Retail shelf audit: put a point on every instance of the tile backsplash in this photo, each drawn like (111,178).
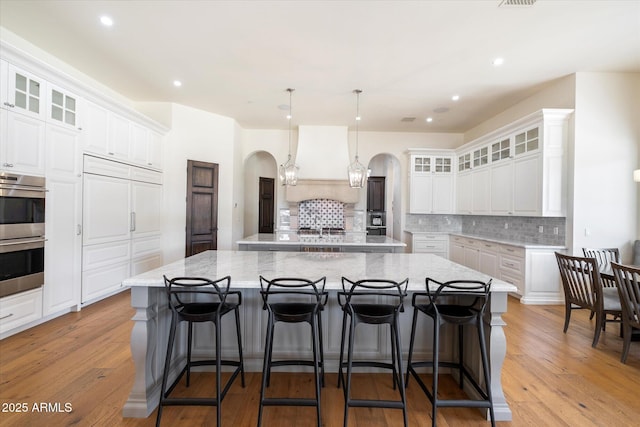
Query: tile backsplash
(321,212)
(534,230)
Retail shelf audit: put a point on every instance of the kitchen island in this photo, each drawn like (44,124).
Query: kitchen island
(293,241)
(152,317)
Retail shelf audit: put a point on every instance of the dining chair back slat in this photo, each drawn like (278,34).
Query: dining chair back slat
(628,281)
(604,257)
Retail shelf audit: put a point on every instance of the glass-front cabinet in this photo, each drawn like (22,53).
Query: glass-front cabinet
(518,170)
(25,93)
(431,182)
(63,107)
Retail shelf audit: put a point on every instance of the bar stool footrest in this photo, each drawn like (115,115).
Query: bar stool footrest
(289,401)
(365,403)
(294,363)
(223,393)
(368,364)
(466,403)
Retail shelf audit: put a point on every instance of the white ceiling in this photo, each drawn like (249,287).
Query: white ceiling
(236,58)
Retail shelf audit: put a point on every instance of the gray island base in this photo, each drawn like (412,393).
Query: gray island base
(152,316)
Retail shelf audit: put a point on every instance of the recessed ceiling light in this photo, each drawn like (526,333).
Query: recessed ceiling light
(106,21)
(429,119)
(177,83)
(498,62)
(455,97)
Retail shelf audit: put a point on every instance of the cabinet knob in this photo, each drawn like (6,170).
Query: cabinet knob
(79,128)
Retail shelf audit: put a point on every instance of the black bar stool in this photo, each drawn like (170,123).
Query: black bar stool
(197,300)
(355,300)
(293,300)
(459,302)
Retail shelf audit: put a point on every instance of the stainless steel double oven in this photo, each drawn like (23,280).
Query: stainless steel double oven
(22,207)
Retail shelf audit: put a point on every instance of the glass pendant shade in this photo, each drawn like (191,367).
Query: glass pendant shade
(289,172)
(357,174)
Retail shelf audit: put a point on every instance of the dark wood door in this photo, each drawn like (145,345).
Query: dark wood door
(375,193)
(266,205)
(202,207)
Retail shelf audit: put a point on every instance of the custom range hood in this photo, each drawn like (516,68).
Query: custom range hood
(323,158)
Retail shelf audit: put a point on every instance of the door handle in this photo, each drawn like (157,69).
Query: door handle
(79,230)
(133,222)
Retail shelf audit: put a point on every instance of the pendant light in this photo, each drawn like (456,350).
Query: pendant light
(289,170)
(357,172)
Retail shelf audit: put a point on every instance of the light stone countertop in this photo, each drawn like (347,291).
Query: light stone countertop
(245,267)
(347,239)
(493,240)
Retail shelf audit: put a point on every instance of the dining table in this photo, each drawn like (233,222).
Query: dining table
(151,318)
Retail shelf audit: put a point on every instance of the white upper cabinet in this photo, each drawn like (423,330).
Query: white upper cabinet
(95,128)
(119,136)
(116,137)
(154,158)
(431,182)
(62,108)
(502,188)
(63,152)
(519,169)
(22,129)
(22,143)
(25,93)
(139,137)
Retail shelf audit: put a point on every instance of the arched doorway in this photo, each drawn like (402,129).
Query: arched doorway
(388,166)
(260,169)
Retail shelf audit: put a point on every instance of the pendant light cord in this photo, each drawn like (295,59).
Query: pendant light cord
(290,90)
(357,92)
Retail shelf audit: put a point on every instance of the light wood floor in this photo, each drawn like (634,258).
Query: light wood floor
(549,378)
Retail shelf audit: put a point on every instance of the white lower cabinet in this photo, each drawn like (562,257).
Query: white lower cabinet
(488,259)
(103,281)
(122,225)
(20,309)
(430,243)
(63,245)
(532,270)
(63,221)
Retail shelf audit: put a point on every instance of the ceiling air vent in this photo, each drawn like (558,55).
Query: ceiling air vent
(514,3)
(407,119)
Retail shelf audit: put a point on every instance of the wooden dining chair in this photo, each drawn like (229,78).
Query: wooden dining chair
(628,281)
(583,289)
(604,257)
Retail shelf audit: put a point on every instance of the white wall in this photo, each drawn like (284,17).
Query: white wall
(198,135)
(607,138)
(557,94)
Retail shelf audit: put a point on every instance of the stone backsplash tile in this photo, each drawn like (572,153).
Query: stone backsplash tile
(518,229)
